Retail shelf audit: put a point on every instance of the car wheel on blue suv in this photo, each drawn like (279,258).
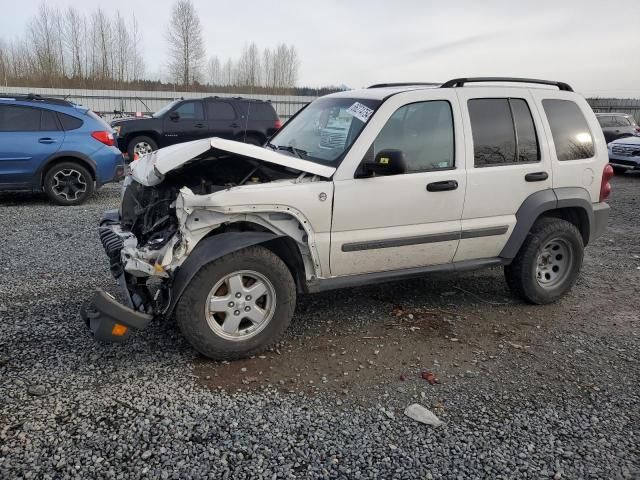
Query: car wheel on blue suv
(68,183)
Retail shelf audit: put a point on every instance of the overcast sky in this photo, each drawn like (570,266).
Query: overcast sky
(589,44)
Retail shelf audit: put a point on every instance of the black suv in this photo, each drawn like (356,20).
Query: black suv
(242,119)
(617,125)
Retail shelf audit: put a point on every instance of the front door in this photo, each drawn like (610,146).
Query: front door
(408,220)
(185,122)
(28,136)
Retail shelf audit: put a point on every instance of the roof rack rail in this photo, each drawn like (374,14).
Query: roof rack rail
(404,84)
(34,97)
(459,82)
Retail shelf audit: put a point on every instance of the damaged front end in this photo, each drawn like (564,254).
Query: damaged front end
(153,232)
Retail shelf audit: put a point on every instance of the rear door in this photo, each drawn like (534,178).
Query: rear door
(28,136)
(223,119)
(507,163)
(609,125)
(185,122)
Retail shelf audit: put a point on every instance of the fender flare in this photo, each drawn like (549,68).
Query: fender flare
(72,155)
(208,250)
(543,201)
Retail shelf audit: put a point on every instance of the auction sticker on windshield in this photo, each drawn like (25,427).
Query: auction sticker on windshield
(360,111)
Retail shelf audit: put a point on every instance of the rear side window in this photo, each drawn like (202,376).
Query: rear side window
(261,111)
(220,111)
(503,132)
(48,121)
(68,122)
(607,122)
(190,111)
(571,134)
(14,118)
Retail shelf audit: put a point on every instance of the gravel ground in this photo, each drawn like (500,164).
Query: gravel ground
(524,392)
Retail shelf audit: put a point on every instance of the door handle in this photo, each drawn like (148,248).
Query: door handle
(47,140)
(235,125)
(442,186)
(536,176)
(199,125)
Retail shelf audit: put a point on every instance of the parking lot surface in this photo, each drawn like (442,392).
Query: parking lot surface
(523,391)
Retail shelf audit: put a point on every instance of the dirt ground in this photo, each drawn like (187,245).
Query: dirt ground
(383,340)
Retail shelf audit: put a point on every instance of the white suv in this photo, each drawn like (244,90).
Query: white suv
(365,186)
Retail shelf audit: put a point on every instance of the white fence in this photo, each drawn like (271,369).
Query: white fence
(106,102)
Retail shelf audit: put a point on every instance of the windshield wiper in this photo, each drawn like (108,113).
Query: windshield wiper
(298,152)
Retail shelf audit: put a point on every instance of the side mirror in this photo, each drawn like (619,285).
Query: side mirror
(386,162)
(175,116)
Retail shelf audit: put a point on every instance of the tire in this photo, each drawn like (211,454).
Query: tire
(207,329)
(253,139)
(552,243)
(68,183)
(141,142)
(619,170)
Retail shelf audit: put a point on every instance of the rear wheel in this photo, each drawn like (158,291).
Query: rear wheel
(548,263)
(140,146)
(68,183)
(237,305)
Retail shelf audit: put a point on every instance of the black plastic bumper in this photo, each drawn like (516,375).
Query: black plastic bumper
(104,312)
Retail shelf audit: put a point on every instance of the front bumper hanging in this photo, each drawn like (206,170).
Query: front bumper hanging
(109,320)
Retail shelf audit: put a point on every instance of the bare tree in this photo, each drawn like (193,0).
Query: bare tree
(74,37)
(137,59)
(186,45)
(102,45)
(45,42)
(121,49)
(249,66)
(214,70)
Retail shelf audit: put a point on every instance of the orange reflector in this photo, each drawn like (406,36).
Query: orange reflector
(119,330)
(158,268)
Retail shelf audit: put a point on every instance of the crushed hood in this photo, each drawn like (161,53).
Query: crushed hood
(150,169)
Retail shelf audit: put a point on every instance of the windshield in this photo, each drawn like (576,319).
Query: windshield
(324,131)
(165,109)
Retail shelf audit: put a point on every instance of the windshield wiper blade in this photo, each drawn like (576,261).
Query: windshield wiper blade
(298,152)
(272,146)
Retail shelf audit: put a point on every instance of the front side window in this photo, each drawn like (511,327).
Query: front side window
(623,121)
(503,132)
(19,119)
(423,131)
(190,111)
(571,134)
(325,130)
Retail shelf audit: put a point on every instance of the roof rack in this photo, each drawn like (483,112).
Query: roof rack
(33,97)
(459,82)
(404,84)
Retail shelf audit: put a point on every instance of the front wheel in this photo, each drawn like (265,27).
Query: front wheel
(237,305)
(140,146)
(548,263)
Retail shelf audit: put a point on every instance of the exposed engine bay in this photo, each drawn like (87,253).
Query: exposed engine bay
(149,211)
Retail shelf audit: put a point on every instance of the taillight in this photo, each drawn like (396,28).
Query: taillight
(278,124)
(605,186)
(104,137)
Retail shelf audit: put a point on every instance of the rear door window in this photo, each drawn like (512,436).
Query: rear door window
(503,132)
(571,134)
(48,121)
(607,122)
(623,121)
(14,118)
(220,111)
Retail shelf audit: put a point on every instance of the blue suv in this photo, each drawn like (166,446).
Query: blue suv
(52,145)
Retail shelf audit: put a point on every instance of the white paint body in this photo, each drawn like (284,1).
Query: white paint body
(332,208)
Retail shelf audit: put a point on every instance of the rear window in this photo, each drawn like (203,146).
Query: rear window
(220,111)
(571,134)
(68,122)
(14,118)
